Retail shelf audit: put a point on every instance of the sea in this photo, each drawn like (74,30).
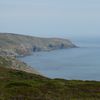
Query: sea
(82,63)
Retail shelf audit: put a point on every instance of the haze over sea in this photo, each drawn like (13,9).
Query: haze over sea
(81,63)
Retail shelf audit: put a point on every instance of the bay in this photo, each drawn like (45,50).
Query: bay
(81,63)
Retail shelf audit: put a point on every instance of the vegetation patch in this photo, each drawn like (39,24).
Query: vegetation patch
(19,85)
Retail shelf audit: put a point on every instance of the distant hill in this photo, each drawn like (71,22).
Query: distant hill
(14,44)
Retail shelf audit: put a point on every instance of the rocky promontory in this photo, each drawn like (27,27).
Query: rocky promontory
(21,45)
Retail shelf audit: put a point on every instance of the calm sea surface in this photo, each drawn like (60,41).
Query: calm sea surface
(77,63)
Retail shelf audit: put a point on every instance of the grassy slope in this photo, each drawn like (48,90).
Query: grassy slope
(18,85)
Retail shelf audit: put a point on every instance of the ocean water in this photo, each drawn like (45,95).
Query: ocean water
(81,63)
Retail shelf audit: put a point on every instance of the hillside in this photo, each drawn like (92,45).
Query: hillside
(14,44)
(13,63)
(19,85)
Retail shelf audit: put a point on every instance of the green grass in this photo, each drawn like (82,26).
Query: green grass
(18,85)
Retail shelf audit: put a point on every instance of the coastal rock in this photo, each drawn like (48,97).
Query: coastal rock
(13,63)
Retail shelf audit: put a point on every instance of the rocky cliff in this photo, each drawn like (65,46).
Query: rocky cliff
(15,45)
(13,63)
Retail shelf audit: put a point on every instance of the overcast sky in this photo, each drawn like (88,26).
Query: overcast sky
(56,18)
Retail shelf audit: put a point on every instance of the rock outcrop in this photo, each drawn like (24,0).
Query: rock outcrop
(21,45)
(13,63)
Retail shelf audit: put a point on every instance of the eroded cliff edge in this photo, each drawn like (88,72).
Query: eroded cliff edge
(13,63)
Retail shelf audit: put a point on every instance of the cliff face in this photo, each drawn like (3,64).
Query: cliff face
(13,63)
(14,44)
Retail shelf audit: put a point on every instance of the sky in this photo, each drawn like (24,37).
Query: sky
(51,18)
